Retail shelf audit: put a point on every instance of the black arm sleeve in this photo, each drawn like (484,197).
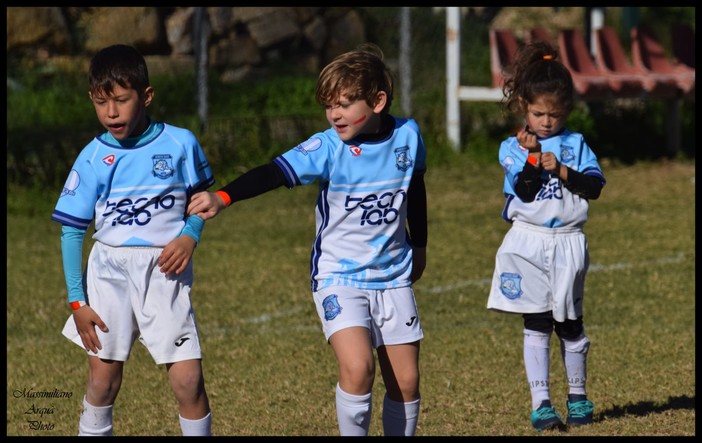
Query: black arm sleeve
(586,186)
(528,183)
(258,180)
(417,211)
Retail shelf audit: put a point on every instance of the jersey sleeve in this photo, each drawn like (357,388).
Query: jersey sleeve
(588,164)
(512,161)
(198,168)
(76,203)
(306,162)
(421,161)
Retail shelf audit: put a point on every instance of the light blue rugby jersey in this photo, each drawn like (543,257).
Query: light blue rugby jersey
(138,194)
(361,209)
(554,205)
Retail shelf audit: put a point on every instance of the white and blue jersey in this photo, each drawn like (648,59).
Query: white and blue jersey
(361,209)
(138,194)
(554,206)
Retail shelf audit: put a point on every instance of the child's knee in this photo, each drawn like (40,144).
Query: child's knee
(570,329)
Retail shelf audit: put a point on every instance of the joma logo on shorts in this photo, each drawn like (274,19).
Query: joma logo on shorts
(181,340)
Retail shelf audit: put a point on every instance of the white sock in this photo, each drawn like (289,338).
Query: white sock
(400,419)
(536,363)
(574,354)
(353,413)
(95,421)
(198,427)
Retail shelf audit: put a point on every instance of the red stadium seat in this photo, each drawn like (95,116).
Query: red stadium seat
(503,48)
(648,53)
(623,76)
(588,80)
(539,34)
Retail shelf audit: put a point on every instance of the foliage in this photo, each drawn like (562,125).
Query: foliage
(50,118)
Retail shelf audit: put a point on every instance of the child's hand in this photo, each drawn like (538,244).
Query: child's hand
(550,163)
(527,139)
(176,255)
(86,319)
(205,205)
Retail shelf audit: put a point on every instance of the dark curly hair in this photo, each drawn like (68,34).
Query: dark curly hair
(536,71)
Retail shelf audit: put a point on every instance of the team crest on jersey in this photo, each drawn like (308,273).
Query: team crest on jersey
(510,285)
(331,307)
(355,150)
(109,160)
(163,166)
(308,146)
(567,155)
(72,182)
(403,160)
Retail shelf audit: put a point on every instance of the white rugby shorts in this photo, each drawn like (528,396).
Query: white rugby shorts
(390,315)
(127,289)
(540,269)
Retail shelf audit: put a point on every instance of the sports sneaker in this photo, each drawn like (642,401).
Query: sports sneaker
(579,412)
(545,417)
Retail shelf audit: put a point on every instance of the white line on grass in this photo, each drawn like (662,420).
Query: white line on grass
(268,317)
(484,282)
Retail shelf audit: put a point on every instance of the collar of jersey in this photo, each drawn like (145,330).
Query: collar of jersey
(151,133)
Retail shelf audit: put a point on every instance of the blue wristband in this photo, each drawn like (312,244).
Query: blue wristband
(193,228)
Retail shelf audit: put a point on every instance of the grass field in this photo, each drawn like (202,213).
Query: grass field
(270,373)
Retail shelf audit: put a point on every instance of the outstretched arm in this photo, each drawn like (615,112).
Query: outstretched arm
(252,183)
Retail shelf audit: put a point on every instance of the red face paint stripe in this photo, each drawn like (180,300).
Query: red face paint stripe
(359,120)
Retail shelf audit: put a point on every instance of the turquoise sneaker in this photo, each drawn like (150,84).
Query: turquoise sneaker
(546,417)
(579,412)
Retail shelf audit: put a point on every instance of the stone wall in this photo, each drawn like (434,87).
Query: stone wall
(240,40)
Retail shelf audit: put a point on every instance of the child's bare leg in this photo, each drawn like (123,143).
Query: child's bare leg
(188,384)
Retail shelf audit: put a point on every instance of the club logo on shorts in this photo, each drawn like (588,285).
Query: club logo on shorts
(331,307)
(403,160)
(510,285)
(163,166)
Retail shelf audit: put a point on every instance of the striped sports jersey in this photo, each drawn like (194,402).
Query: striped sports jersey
(361,208)
(554,205)
(137,195)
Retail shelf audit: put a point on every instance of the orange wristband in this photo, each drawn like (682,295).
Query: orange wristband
(225,197)
(532,160)
(75,305)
